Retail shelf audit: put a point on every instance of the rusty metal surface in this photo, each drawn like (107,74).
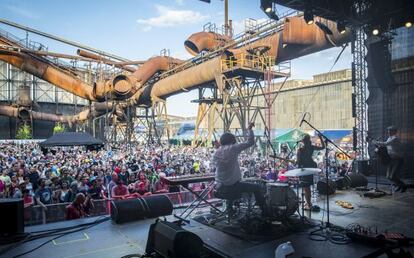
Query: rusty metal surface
(205,41)
(49,73)
(97,109)
(96,57)
(295,39)
(300,39)
(182,81)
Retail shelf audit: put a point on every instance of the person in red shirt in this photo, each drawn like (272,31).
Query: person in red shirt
(120,191)
(142,186)
(77,209)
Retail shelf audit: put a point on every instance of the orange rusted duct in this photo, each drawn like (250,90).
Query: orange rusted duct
(300,39)
(49,73)
(97,109)
(137,80)
(187,79)
(205,41)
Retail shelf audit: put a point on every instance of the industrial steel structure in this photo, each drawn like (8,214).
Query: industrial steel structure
(125,92)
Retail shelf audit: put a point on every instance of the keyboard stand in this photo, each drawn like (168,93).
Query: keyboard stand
(200,197)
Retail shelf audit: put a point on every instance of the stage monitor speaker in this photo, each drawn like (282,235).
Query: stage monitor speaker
(167,239)
(363,167)
(128,210)
(357,180)
(11,217)
(158,205)
(323,189)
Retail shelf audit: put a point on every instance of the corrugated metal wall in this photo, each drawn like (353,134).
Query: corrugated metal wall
(11,78)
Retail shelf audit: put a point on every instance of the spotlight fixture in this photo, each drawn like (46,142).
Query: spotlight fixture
(340,26)
(408,24)
(266,6)
(375,32)
(308,16)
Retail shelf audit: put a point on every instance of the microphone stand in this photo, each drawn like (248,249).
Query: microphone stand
(326,141)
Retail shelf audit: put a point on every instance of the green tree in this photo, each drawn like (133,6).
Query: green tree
(59,128)
(24,132)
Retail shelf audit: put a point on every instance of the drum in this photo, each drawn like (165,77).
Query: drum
(281,200)
(258,181)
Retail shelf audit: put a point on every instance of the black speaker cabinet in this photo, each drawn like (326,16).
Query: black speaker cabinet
(167,239)
(11,216)
(152,206)
(326,189)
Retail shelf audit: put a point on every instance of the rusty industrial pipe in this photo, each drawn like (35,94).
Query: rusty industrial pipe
(296,39)
(96,57)
(97,109)
(45,71)
(137,80)
(205,41)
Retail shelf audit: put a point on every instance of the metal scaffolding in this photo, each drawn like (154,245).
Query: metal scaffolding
(359,83)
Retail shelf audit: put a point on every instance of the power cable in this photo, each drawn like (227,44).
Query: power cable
(59,232)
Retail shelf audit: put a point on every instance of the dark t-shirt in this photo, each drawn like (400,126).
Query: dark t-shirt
(33,178)
(95,192)
(124,177)
(45,195)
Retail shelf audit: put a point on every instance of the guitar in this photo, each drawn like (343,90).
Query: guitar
(381,151)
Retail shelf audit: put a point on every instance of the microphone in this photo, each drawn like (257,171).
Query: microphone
(303,119)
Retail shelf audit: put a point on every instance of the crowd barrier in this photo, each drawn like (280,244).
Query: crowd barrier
(35,215)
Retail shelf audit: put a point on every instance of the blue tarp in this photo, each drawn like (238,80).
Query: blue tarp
(336,134)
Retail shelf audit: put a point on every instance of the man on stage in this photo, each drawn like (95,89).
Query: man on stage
(393,145)
(228,174)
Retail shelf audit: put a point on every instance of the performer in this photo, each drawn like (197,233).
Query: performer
(228,174)
(304,160)
(393,145)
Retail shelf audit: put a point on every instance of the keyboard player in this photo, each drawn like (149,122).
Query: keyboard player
(228,175)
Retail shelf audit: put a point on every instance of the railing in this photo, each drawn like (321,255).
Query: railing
(243,60)
(35,215)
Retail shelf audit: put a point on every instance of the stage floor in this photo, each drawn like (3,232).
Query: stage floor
(395,213)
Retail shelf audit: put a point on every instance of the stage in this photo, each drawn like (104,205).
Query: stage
(391,212)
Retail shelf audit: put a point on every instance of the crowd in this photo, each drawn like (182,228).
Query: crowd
(77,175)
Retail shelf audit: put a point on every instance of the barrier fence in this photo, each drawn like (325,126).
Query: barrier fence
(35,215)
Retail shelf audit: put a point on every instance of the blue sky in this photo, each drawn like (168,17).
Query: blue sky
(139,29)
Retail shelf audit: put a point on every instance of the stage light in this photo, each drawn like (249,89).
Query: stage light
(266,6)
(408,24)
(375,32)
(308,16)
(340,26)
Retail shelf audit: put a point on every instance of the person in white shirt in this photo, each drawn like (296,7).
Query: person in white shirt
(228,174)
(393,145)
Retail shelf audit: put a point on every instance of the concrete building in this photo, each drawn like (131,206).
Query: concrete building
(327,98)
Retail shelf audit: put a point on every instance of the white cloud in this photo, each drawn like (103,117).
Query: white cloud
(168,17)
(239,26)
(183,55)
(179,2)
